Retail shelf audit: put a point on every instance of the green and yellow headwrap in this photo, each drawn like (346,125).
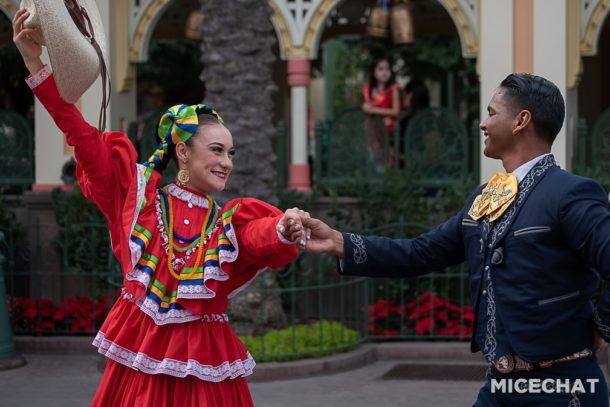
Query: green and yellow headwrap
(178,123)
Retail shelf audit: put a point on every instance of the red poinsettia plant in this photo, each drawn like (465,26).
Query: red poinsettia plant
(426,315)
(72,314)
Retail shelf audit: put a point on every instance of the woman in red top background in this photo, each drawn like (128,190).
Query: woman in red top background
(382,97)
(183,257)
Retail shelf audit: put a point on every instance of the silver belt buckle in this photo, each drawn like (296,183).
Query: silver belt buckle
(505,364)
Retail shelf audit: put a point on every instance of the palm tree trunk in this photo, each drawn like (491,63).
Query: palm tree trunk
(237,54)
(238,57)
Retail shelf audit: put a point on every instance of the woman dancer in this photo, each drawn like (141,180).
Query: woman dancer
(167,337)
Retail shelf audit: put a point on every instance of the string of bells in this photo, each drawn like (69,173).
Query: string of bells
(394,14)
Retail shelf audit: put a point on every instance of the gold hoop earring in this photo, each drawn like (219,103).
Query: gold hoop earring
(183,177)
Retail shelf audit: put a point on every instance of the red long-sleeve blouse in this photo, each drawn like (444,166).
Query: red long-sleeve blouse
(161,324)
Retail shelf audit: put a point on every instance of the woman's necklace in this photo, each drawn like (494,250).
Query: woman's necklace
(170,234)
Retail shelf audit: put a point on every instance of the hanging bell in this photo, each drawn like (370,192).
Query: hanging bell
(401,20)
(379,19)
(194,22)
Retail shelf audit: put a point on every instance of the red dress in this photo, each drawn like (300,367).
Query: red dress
(383,99)
(168,340)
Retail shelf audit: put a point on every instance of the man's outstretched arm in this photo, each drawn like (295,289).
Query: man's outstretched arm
(377,256)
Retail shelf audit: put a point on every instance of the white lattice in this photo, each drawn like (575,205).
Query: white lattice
(470,10)
(586,10)
(143,16)
(8,7)
(297,14)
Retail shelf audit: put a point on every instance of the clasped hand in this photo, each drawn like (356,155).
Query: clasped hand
(310,234)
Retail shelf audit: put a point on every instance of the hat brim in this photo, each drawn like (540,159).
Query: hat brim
(73,58)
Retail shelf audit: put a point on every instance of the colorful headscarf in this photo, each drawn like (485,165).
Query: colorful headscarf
(178,123)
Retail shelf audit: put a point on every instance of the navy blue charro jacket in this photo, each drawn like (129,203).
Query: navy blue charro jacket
(544,259)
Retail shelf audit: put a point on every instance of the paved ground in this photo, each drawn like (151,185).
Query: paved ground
(364,387)
(54,380)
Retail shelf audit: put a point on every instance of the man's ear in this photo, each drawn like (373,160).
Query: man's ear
(521,121)
(182,152)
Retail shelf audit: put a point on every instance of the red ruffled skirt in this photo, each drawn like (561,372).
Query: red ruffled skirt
(123,386)
(194,363)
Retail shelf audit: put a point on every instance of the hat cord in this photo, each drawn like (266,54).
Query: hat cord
(82,21)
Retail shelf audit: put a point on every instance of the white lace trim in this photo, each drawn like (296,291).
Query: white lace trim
(139,276)
(228,256)
(173,316)
(134,248)
(195,292)
(187,196)
(215,273)
(39,77)
(172,367)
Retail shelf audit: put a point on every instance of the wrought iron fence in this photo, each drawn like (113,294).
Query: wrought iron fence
(436,146)
(16,154)
(57,284)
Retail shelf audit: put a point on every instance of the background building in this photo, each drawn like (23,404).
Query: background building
(563,40)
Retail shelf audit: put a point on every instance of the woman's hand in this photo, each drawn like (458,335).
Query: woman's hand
(321,238)
(367,108)
(291,225)
(30,50)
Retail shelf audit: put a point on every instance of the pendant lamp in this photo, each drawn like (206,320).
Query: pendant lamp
(379,19)
(401,21)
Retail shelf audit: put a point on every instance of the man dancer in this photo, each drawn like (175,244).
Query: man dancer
(536,241)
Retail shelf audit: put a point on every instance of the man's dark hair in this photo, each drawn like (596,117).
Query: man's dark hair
(541,97)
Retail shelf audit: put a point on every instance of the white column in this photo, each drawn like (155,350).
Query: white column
(49,147)
(496,62)
(298,79)
(298,117)
(550,62)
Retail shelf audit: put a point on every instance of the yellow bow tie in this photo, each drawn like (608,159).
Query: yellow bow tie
(495,198)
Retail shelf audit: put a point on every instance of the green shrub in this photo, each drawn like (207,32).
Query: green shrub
(302,341)
(83,236)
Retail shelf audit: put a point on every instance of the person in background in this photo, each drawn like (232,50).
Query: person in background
(414,98)
(382,97)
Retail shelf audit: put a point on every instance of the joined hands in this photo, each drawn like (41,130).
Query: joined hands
(310,234)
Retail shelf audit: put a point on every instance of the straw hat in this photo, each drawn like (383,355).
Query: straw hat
(74,60)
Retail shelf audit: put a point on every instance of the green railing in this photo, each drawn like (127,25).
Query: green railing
(7,347)
(57,281)
(63,285)
(594,145)
(593,156)
(438,150)
(354,145)
(17,152)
